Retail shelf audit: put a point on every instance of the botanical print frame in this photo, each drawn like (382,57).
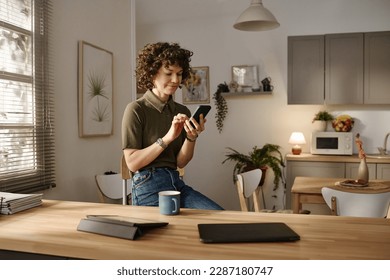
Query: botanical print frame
(196,89)
(245,75)
(95,90)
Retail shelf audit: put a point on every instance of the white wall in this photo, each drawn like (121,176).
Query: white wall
(205,27)
(105,24)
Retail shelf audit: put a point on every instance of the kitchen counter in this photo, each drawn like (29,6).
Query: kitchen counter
(333,158)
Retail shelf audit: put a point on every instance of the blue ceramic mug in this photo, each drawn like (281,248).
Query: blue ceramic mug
(169,202)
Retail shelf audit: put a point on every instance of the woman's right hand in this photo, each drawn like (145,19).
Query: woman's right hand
(176,127)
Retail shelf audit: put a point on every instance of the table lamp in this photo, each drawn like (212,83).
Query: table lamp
(297,138)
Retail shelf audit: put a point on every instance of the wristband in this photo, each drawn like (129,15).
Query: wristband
(161,143)
(191,140)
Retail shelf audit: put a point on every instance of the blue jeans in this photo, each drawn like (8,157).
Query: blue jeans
(148,183)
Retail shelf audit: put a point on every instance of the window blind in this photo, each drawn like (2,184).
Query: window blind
(26,97)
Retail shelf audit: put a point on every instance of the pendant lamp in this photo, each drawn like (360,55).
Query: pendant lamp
(256,18)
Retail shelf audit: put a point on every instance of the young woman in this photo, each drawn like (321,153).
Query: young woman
(158,135)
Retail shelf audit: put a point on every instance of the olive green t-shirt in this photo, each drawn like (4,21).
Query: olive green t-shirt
(147,119)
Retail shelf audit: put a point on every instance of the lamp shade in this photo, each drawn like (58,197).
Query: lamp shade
(297,138)
(256,18)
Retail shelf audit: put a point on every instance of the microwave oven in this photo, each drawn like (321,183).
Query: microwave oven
(331,143)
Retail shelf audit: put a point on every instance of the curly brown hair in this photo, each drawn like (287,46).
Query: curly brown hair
(153,56)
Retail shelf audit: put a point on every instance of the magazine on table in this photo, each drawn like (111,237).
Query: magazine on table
(15,202)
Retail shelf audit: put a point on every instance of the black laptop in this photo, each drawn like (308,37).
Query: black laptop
(246,232)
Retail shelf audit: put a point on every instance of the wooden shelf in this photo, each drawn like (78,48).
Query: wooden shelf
(227,94)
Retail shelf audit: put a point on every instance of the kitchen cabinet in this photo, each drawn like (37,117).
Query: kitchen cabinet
(344,68)
(311,169)
(348,68)
(306,69)
(351,170)
(377,68)
(383,171)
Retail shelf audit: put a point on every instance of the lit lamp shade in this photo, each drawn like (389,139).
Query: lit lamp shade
(256,18)
(297,139)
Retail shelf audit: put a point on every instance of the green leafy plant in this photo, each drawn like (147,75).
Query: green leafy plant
(221,105)
(323,116)
(100,114)
(269,156)
(96,87)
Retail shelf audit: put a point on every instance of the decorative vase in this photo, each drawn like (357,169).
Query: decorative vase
(363,170)
(320,125)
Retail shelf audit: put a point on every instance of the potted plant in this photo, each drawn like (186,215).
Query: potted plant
(221,105)
(269,156)
(321,120)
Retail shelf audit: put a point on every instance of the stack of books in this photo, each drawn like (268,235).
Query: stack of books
(15,202)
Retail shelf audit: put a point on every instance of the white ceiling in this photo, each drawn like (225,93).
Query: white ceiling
(164,10)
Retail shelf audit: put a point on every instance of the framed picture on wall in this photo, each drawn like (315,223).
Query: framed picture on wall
(95,90)
(245,75)
(196,90)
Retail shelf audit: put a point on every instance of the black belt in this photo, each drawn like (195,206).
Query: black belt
(153,169)
(146,169)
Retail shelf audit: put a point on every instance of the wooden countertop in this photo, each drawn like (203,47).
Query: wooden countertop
(51,229)
(333,158)
(313,185)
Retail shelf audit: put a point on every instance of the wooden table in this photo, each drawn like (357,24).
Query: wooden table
(51,229)
(308,190)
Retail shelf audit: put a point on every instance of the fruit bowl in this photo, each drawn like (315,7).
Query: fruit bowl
(343,123)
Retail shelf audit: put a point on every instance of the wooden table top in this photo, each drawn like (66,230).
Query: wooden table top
(51,229)
(313,185)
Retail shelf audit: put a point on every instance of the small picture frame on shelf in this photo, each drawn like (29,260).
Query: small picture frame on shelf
(245,75)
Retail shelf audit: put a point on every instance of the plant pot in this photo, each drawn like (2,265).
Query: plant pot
(320,125)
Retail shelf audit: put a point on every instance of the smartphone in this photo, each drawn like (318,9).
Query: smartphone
(202,109)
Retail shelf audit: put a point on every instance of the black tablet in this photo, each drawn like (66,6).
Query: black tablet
(246,232)
(127,221)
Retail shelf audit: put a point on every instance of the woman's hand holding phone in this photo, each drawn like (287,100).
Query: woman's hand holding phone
(202,109)
(195,126)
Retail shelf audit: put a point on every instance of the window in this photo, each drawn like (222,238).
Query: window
(26,98)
